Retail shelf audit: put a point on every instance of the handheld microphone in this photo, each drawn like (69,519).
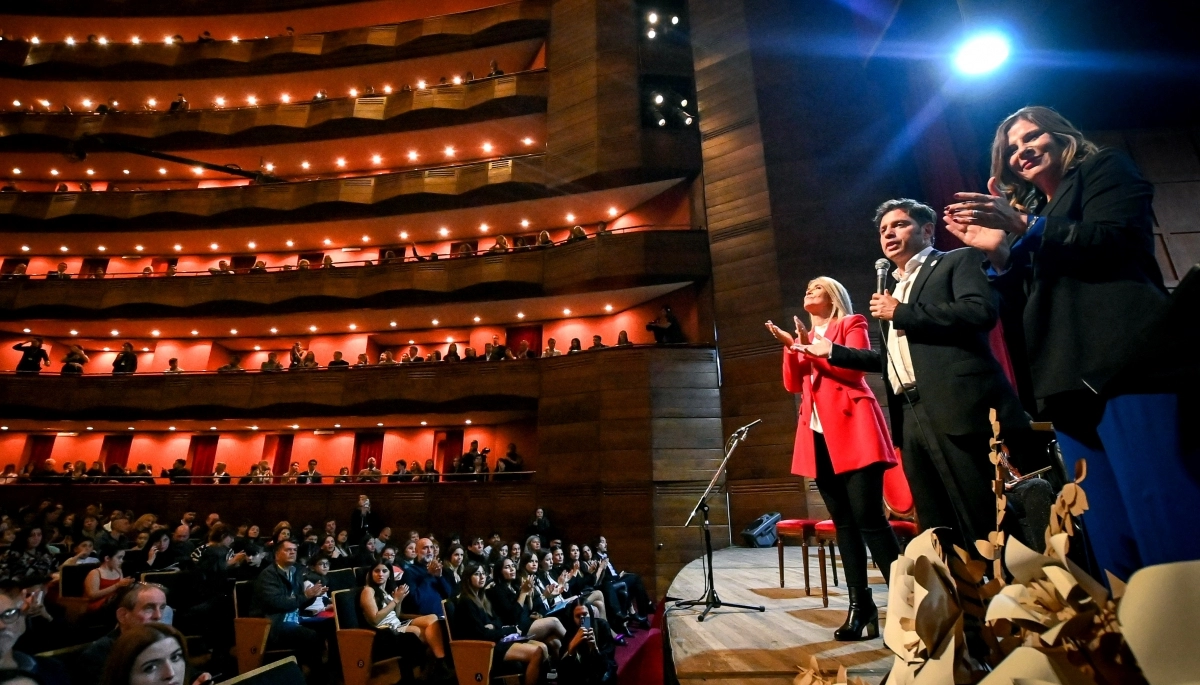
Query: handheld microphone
(881,270)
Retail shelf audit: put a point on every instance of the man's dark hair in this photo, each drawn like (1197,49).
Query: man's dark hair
(920,213)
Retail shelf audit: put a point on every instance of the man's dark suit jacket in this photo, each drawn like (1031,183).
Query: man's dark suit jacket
(305,477)
(951,309)
(1093,285)
(275,597)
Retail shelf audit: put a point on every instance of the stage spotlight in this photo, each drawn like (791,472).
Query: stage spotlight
(981,54)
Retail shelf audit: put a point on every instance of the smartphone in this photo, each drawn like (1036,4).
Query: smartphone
(585,622)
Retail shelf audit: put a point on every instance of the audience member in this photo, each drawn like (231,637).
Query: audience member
(576,234)
(272,363)
(338,362)
(149,654)
(138,605)
(60,273)
(401,474)
(370,473)
(125,361)
(550,350)
(14,607)
(173,366)
(597,343)
(279,595)
(666,328)
(380,600)
(474,619)
(28,557)
(576,346)
(311,476)
(364,523)
(623,339)
(363,361)
(220,476)
(33,357)
(234,365)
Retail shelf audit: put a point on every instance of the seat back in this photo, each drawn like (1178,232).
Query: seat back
(472,658)
(243,591)
(284,672)
(340,580)
(897,497)
(345,609)
(360,575)
(250,642)
(72,579)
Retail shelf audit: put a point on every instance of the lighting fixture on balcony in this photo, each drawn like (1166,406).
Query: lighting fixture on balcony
(457,80)
(233,331)
(27,330)
(87,102)
(304,165)
(101,248)
(377,159)
(449,150)
(274,330)
(435,322)
(74,332)
(54,172)
(608,307)
(24,248)
(220,102)
(353,92)
(520,315)
(252,244)
(421,84)
(269,166)
(115,332)
(313,329)
(178,247)
(195,332)
(341,162)
(392,324)
(477,319)
(412,155)
(168,40)
(70,40)
(35,40)
(387,90)
(570,218)
(354,327)
(251,100)
(91,172)
(527,140)
(125,171)
(135,40)
(487,147)
(443,231)
(290,243)
(197,170)
(483,227)
(524,223)
(233,40)
(285,98)
(404,235)
(328,241)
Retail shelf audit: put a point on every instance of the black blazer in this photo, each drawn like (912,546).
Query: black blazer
(275,597)
(949,313)
(1093,285)
(305,478)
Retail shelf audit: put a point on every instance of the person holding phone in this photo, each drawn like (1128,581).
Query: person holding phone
(591,655)
(512,599)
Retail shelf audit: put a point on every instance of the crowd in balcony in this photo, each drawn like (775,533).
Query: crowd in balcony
(472,466)
(77,578)
(398,254)
(665,328)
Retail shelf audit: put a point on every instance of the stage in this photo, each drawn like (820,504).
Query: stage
(738,646)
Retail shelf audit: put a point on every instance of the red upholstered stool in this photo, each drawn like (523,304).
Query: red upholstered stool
(795,528)
(826,534)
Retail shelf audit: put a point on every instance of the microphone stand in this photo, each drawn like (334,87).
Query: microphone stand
(711,600)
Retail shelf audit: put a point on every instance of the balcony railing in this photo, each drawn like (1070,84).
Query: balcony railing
(631,257)
(511,94)
(405,388)
(432,35)
(374,191)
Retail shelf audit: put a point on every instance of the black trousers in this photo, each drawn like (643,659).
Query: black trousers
(308,644)
(855,503)
(950,477)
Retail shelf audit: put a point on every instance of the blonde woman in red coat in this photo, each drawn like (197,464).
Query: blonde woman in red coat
(842,441)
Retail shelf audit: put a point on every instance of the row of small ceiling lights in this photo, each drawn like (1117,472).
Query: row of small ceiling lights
(449,151)
(652,19)
(253,245)
(294,426)
(313,329)
(253,100)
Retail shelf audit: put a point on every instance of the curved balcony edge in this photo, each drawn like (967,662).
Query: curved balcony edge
(608,261)
(500,96)
(407,388)
(347,47)
(440,187)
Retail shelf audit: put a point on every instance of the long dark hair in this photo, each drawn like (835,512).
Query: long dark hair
(470,566)
(389,585)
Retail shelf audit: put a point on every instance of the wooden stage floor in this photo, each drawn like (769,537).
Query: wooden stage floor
(740,646)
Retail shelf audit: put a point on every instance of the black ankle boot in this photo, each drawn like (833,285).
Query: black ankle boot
(863,614)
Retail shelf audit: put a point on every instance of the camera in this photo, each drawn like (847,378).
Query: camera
(486,450)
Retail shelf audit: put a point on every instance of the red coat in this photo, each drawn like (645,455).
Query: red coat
(855,431)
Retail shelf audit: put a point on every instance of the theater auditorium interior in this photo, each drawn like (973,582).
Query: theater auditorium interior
(378,341)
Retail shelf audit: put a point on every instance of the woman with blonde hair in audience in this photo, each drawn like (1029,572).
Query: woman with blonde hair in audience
(500,246)
(577,234)
(417,473)
(543,239)
(149,654)
(387,359)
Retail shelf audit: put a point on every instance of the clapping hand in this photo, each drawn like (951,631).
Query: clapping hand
(819,348)
(314,590)
(435,568)
(780,334)
(987,211)
(400,593)
(801,331)
(527,584)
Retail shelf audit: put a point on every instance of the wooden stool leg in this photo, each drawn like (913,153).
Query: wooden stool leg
(779,544)
(833,560)
(804,547)
(824,583)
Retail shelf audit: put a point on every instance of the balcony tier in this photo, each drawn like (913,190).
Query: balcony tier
(157,60)
(443,387)
(620,260)
(509,95)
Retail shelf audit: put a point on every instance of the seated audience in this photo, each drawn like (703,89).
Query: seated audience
(623,339)
(272,363)
(138,605)
(524,352)
(327,262)
(576,346)
(370,473)
(221,269)
(386,359)
(469,355)
(363,361)
(292,476)
(550,350)
(401,474)
(60,273)
(380,600)
(431,472)
(147,654)
(179,473)
(312,475)
(279,595)
(14,608)
(666,328)
(510,461)
(451,353)
(220,476)
(544,240)
(597,343)
(577,234)
(74,360)
(309,362)
(234,365)
(173,366)
(260,267)
(500,247)
(338,362)
(474,619)
(28,557)
(117,534)
(343,475)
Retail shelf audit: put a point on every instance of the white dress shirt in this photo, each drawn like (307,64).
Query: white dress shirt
(815,422)
(900,368)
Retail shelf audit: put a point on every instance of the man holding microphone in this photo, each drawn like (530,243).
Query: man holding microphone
(940,374)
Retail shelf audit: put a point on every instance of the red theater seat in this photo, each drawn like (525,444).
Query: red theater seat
(795,528)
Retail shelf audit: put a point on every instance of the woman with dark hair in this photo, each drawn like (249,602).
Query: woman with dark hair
(410,554)
(452,569)
(149,654)
(103,582)
(666,328)
(576,346)
(1068,230)
(28,557)
(380,601)
(512,600)
(843,441)
(474,619)
(431,472)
